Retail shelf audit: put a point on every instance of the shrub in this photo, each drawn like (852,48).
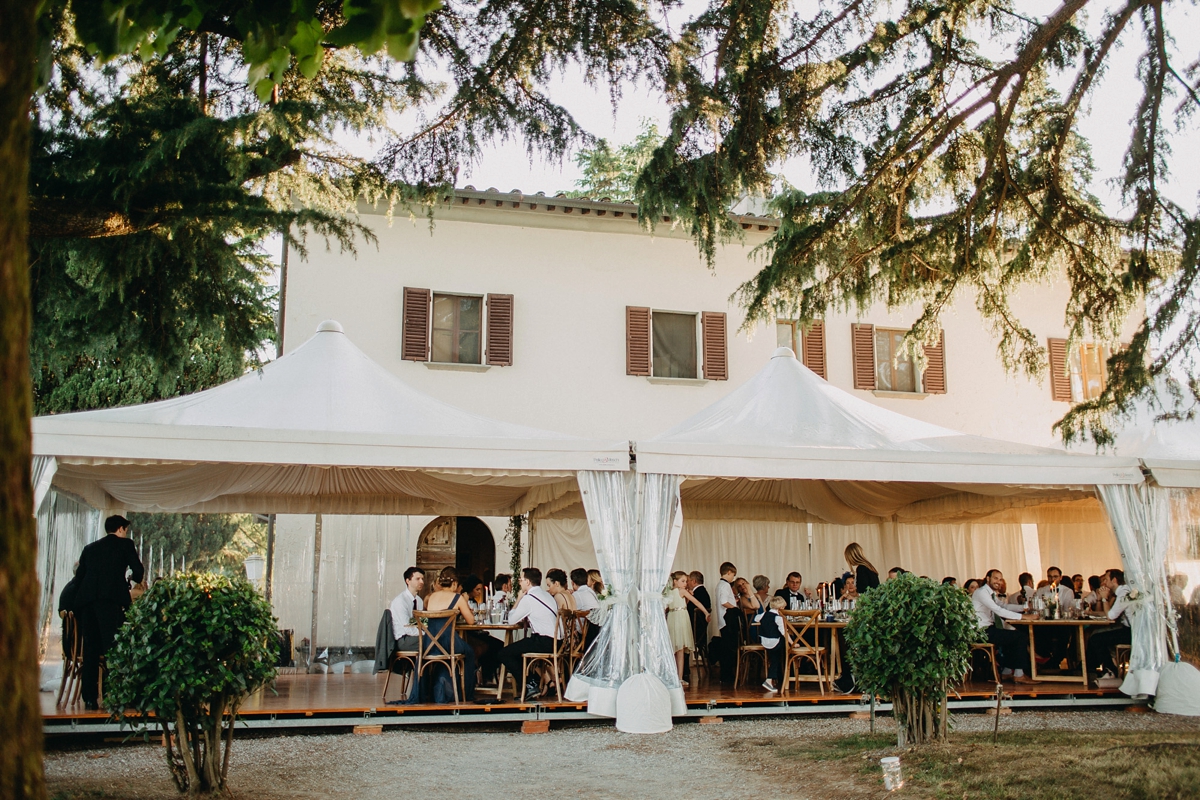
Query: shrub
(907,640)
(191,650)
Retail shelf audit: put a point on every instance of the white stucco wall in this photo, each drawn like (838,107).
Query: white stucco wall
(572,278)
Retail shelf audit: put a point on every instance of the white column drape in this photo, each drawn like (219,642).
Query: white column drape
(629,673)
(44,468)
(1139,517)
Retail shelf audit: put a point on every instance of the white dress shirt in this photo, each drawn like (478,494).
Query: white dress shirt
(402,611)
(1119,605)
(987,608)
(724,597)
(585,599)
(540,608)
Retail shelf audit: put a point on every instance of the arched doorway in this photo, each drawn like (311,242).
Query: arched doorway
(464,543)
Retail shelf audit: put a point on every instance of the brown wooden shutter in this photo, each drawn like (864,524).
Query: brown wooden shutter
(1060,377)
(862,340)
(933,381)
(813,347)
(414,336)
(499,352)
(716,354)
(637,341)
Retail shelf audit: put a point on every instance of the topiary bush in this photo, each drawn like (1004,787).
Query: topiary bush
(906,641)
(191,650)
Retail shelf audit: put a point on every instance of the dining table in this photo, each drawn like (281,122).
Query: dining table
(508,631)
(1080,625)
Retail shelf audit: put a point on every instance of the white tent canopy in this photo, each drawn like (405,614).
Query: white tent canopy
(787,442)
(1170,449)
(322,429)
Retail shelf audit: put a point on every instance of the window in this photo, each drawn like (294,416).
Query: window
(808,345)
(1089,371)
(674,345)
(457,329)
(894,368)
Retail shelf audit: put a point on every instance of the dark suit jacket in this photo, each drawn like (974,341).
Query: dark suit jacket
(66,598)
(701,594)
(786,594)
(101,574)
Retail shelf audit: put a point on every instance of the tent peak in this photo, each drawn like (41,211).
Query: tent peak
(330,326)
(784,352)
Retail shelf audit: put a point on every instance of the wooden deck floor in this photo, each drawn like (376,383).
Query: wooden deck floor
(358,694)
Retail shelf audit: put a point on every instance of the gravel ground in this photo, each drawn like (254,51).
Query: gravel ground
(589,760)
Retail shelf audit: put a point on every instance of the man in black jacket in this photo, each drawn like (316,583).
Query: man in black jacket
(102,597)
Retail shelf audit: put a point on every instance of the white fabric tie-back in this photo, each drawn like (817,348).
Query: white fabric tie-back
(1139,518)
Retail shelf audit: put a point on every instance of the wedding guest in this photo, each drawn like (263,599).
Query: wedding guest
(446,596)
(1054,576)
(556,585)
(793,591)
(1077,585)
(678,624)
(866,577)
(1115,595)
(1010,644)
(762,591)
(849,590)
(895,572)
(728,623)
(971,585)
(102,598)
(586,600)
(501,587)
(402,608)
(771,635)
(950,581)
(595,581)
(541,610)
(1091,599)
(1025,592)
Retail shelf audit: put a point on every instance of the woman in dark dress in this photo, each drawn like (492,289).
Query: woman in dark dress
(866,577)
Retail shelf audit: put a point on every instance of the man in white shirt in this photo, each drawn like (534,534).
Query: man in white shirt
(1066,595)
(1026,591)
(585,600)
(1056,642)
(1102,643)
(728,622)
(538,607)
(991,612)
(402,610)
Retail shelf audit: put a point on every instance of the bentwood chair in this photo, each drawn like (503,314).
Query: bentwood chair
(438,648)
(556,660)
(747,651)
(988,650)
(408,677)
(1122,659)
(800,636)
(72,661)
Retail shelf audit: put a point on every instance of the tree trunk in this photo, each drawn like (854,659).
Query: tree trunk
(21,774)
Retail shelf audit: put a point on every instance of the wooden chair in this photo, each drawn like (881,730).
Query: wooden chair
(1122,659)
(800,635)
(413,657)
(433,651)
(556,659)
(72,661)
(747,651)
(989,650)
(578,640)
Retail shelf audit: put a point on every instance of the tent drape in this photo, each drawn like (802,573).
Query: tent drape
(632,520)
(659,509)
(609,499)
(1139,519)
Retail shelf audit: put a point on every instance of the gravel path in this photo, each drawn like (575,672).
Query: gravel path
(592,760)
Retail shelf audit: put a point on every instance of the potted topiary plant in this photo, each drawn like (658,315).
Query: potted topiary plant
(906,641)
(191,650)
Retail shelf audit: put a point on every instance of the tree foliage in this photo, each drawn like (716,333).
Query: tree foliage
(191,650)
(951,163)
(611,174)
(205,542)
(907,641)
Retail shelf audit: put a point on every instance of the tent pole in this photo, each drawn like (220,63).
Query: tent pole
(312,638)
(270,556)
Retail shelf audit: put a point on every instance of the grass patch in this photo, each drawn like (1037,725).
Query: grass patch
(1027,765)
